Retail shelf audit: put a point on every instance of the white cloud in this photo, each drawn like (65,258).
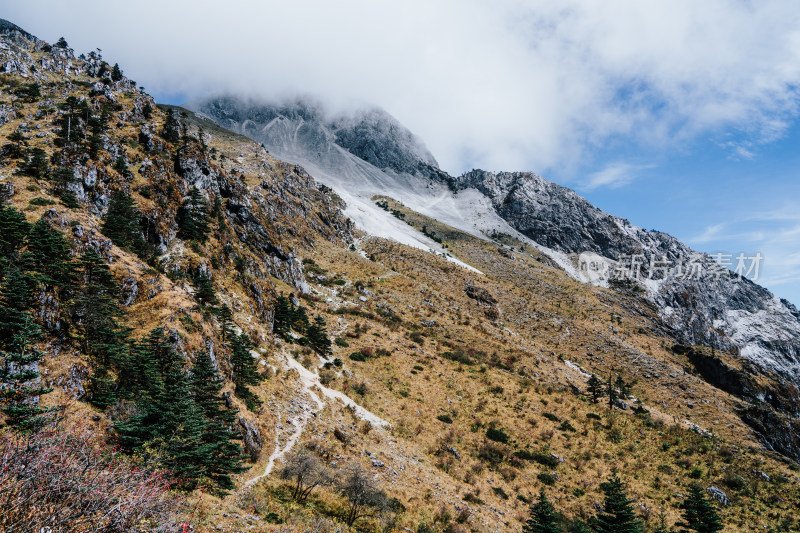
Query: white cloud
(501,85)
(613,176)
(709,234)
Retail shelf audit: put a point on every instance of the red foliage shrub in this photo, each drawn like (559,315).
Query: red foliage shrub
(62,480)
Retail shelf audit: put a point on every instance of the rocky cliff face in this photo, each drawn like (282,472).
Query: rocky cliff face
(370,134)
(698,300)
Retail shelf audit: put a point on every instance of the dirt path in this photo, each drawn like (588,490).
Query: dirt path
(311,404)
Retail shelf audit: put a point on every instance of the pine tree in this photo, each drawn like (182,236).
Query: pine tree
(13,230)
(20,395)
(171,132)
(543,518)
(282,319)
(225,317)
(101,335)
(595,387)
(121,167)
(623,386)
(318,338)
(245,371)
(183,427)
(16,149)
(95,140)
(16,293)
(61,178)
(147,111)
(48,257)
(204,290)
(618,515)
(223,455)
(143,379)
(300,322)
(35,165)
(611,391)
(122,223)
(699,513)
(116,73)
(661,527)
(192,217)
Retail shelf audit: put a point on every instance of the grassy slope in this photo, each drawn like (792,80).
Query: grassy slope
(519,373)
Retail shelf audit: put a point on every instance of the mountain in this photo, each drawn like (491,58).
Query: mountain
(286,319)
(369,153)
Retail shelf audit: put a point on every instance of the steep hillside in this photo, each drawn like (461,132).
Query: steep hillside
(452,386)
(697,300)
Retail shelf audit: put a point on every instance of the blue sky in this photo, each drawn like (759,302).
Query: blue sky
(709,196)
(679,115)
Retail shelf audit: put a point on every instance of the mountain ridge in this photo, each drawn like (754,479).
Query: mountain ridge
(722,311)
(457,382)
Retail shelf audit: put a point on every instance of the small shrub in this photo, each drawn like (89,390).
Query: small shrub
(471,497)
(500,492)
(360,388)
(566,426)
(326,377)
(578,492)
(38,200)
(546,479)
(416,336)
(551,416)
(696,473)
(445,418)
(358,356)
(592,416)
(497,435)
(341,342)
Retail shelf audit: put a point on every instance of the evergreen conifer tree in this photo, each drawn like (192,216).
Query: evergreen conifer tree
(122,224)
(245,371)
(116,73)
(543,517)
(20,396)
(300,322)
(95,140)
(611,391)
(16,149)
(183,427)
(225,317)
(318,338)
(282,317)
(192,217)
(699,513)
(171,132)
(595,387)
(223,455)
(618,515)
(101,335)
(61,178)
(152,359)
(35,165)
(623,386)
(13,230)
(15,299)
(48,257)
(661,527)
(204,290)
